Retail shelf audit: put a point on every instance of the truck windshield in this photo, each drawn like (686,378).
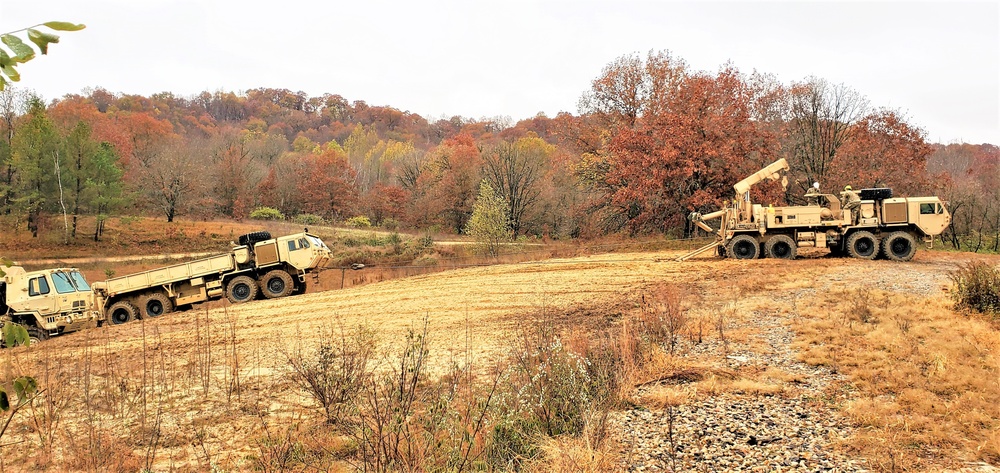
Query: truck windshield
(79,281)
(69,281)
(318,243)
(63,283)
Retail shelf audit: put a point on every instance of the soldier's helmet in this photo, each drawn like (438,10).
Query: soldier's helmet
(847,188)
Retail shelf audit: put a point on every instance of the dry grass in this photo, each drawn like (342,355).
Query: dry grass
(924,379)
(568,454)
(207,389)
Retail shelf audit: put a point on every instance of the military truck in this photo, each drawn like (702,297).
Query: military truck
(880,226)
(273,267)
(47,302)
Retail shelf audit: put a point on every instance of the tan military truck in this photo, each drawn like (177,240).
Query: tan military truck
(881,226)
(273,267)
(47,302)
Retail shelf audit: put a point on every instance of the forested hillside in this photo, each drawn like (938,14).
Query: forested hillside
(653,139)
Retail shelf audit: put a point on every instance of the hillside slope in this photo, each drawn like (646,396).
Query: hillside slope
(762,374)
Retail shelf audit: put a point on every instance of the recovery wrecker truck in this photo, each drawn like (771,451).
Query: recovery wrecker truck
(880,225)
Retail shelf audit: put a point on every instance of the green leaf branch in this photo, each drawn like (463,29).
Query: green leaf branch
(16,51)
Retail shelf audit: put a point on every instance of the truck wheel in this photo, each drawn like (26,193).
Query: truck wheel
(241,289)
(276,283)
(743,247)
(899,246)
(862,244)
(782,247)
(156,304)
(122,312)
(254,237)
(37,335)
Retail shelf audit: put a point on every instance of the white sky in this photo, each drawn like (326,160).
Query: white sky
(936,62)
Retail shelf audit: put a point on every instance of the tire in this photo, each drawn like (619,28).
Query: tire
(254,237)
(721,250)
(743,247)
(241,289)
(122,312)
(155,305)
(781,247)
(899,246)
(277,283)
(863,245)
(37,335)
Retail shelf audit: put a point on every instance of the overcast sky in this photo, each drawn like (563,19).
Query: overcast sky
(936,62)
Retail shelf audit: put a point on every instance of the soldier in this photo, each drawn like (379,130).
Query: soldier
(812,194)
(852,201)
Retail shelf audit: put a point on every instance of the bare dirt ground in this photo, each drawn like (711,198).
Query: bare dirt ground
(200,353)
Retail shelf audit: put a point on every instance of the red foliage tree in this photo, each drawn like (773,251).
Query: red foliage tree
(685,150)
(883,151)
(326,184)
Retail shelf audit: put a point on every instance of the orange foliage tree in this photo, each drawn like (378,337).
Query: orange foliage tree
(679,141)
(327,184)
(883,151)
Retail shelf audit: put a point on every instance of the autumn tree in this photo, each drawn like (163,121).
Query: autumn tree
(326,184)
(384,202)
(691,137)
(513,170)
(448,183)
(884,151)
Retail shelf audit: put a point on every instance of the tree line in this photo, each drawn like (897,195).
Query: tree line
(653,140)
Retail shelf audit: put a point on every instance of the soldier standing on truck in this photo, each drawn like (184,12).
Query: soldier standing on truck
(852,201)
(812,194)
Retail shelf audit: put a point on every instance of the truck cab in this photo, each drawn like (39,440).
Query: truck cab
(48,302)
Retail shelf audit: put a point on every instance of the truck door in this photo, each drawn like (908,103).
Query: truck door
(40,296)
(933,218)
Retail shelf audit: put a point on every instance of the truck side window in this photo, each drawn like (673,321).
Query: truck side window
(926,209)
(298,244)
(940,209)
(38,286)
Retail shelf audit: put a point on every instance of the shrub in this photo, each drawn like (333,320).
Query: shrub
(336,370)
(977,287)
(266,213)
(552,390)
(309,219)
(390,224)
(395,241)
(358,222)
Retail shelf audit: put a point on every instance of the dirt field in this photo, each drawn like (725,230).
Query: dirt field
(193,370)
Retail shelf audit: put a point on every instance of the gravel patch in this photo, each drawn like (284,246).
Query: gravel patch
(729,431)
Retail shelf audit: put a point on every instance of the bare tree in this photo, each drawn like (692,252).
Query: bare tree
(174,179)
(820,123)
(513,170)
